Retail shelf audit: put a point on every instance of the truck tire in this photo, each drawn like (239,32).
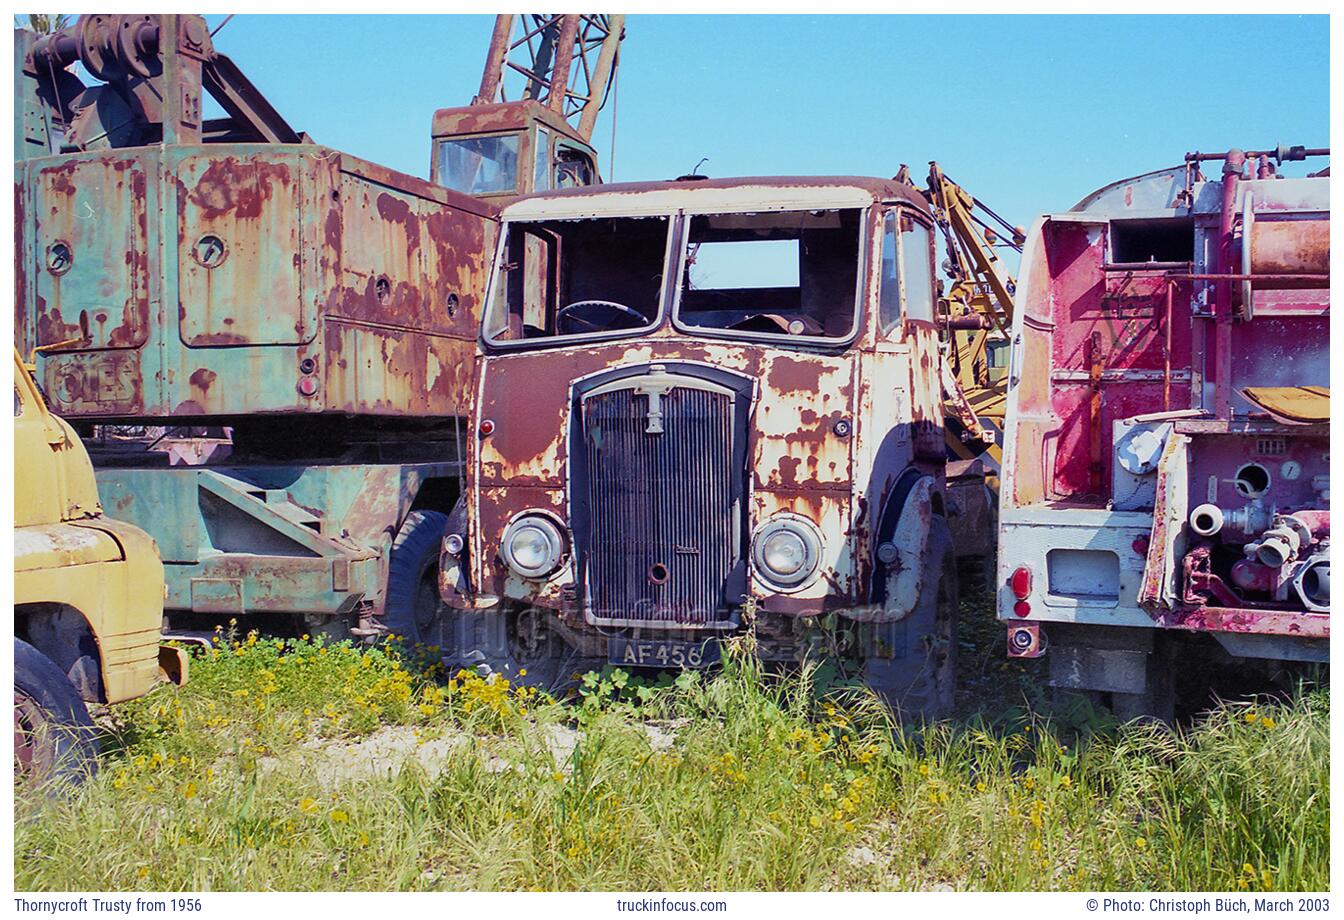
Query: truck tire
(53,734)
(411,605)
(920,680)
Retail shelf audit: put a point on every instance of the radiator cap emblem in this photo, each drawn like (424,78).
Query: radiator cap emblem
(655,390)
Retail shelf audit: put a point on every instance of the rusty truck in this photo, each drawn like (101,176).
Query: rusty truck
(268,344)
(1166,488)
(709,407)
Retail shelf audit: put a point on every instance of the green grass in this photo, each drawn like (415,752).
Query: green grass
(748,782)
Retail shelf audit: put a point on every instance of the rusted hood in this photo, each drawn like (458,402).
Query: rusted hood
(800,397)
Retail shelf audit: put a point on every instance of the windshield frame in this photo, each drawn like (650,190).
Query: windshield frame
(775,338)
(674,232)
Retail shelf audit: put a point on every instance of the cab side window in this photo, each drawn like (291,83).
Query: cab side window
(917,268)
(889,292)
(541,173)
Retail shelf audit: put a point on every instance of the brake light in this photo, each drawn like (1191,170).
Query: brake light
(1020,583)
(1022,609)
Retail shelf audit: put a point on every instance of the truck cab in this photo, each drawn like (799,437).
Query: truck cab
(703,408)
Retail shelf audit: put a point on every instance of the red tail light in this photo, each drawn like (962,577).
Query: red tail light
(1020,582)
(1022,609)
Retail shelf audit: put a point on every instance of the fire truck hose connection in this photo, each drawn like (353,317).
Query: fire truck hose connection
(1209,519)
(1279,545)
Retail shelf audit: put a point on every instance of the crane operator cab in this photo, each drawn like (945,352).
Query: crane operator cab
(499,151)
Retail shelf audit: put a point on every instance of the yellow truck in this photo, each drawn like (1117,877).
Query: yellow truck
(88,597)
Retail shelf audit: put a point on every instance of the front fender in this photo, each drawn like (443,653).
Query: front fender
(901,575)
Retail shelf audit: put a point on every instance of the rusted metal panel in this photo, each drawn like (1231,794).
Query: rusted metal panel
(279,258)
(91,279)
(241,539)
(1257,621)
(1290,247)
(799,448)
(240,253)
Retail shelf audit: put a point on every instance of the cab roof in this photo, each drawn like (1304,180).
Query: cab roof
(498,117)
(748,193)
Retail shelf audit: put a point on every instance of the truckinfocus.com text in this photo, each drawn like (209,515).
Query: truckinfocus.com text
(653,905)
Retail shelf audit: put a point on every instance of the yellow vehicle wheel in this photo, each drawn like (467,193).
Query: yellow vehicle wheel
(53,734)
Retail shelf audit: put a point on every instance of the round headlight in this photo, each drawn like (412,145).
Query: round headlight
(532,545)
(784,553)
(787,551)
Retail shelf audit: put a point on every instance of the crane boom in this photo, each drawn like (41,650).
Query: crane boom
(567,62)
(977,310)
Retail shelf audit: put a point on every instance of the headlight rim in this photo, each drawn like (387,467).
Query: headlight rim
(813,541)
(556,534)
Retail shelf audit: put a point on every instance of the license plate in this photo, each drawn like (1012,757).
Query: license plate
(659,653)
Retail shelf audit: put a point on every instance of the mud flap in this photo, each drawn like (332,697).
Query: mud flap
(174,665)
(916,674)
(891,640)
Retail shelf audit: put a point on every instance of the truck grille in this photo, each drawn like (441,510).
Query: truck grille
(660,537)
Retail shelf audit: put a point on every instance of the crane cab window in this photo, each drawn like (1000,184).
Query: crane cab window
(573,167)
(479,165)
(541,173)
(790,274)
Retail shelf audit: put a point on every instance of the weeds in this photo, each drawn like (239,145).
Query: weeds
(729,780)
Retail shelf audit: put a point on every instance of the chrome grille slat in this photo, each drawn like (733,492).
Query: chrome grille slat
(658,498)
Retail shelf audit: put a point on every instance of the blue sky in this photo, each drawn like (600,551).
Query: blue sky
(1028,112)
